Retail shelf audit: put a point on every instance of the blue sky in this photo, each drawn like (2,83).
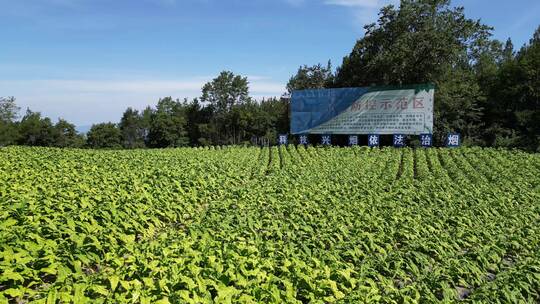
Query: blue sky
(88,60)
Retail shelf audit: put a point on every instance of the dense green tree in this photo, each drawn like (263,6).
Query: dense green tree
(9,111)
(272,119)
(35,131)
(168,125)
(313,77)
(198,118)
(146,121)
(8,133)
(457,107)
(527,88)
(487,71)
(241,122)
(225,91)
(508,52)
(514,114)
(224,95)
(65,135)
(104,135)
(419,42)
(133,129)
(8,114)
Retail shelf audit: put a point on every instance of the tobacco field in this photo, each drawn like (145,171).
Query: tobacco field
(269,225)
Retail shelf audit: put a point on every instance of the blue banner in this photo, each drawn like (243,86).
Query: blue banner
(310,108)
(368,110)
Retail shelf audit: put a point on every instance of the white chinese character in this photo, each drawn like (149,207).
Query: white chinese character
(399,140)
(303,139)
(283,139)
(325,140)
(353,140)
(426,140)
(453,140)
(373,140)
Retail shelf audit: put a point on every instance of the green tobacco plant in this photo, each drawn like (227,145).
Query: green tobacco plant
(289,224)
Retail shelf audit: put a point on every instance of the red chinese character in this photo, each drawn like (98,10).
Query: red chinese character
(402,103)
(364,105)
(418,103)
(357,106)
(386,104)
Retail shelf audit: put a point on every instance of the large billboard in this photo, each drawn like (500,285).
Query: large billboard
(369,110)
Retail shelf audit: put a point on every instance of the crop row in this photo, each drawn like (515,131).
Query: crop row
(288,224)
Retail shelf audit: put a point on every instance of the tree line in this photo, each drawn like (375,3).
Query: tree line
(225,114)
(485,89)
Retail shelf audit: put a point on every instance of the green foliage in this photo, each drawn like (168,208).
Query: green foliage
(515,110)
(8,133)
(314,77)
(226,91)
(197,117)
(65,135)
(168,125)
(9,111)
(226,96)
(132,128)
(104,135)
(33,130)
(415,43)
(273,225)
(457,107)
